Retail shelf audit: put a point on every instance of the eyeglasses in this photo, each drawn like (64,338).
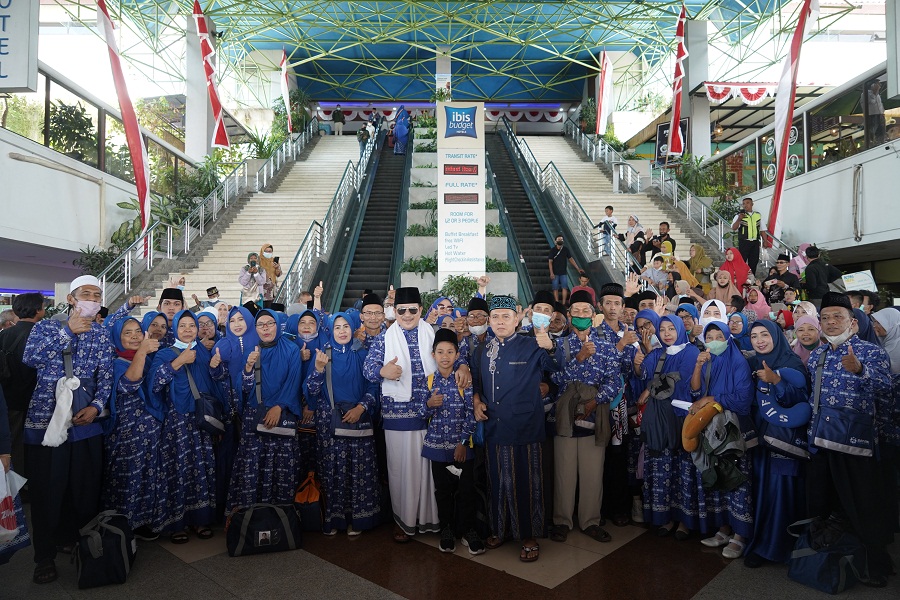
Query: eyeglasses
(476,317)
(412,310)
(781,262)
(267,325)
(370,313)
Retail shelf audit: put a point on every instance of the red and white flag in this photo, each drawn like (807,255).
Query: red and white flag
(220,133)
(285,89)
(604,93)
(676,140)
(136,148)
(785,96)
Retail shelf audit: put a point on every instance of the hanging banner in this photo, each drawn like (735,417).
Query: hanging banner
(750,94)
(207,55)
(662,140)
(604,93)
(675,144)
(285,90)
(19,45)
(461,189)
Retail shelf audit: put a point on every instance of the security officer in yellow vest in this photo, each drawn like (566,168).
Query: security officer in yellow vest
(748,225)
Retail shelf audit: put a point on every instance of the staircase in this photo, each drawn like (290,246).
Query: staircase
(593,188)
(526,227)
(280,218)
(371,265)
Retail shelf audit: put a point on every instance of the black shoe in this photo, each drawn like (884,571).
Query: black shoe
(875,581)
(753,561)
(473,543)
(448,540)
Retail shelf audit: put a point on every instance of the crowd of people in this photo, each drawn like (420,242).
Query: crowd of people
(543,417)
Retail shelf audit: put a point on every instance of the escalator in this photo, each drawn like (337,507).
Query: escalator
(371,264)
(533,241)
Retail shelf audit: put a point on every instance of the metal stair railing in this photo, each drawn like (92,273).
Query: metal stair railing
(167,241)
(319,241)
(289,150)
(598,150)
(588,236)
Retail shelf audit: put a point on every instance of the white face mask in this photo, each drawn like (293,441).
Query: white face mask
(478,329)
(88,308)
(837,340)
(308,337)
(184,345)
(389,314)
(268,254)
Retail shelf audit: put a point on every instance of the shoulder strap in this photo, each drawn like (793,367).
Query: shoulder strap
(194,392)
(708,374)
(328,382)
(67,361)
(567,347)
(659,365)
(257,373)
(430,381)
(817,390)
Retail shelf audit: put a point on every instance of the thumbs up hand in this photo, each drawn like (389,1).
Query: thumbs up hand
(391,370)
(317,293)
(216,359)
(304,353)
(850,362)
(148,345)
(251,360)
(767,374)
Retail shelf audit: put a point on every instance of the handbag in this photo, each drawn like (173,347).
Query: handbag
(660,426)
(208,414)
(84,395)
(790,441)
(262,528)
(105,551)
(308,501)
(840,429)
(827,557)
(287,424)
(362,428)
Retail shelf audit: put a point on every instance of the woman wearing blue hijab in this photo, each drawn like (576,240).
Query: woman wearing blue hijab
(778,479)
(740,331)
(671,392)
(155,325)
(188,483)
(646,323)
(401,131)
(132,459)
(240,340)
(309,332)
(347,465)
(265,469)
(722,373)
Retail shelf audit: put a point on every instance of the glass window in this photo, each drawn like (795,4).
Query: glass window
(740,170)
(162,169)
(882,115)
(767,166)
(118,159)
(836,129)
(24,113)
(795,165)
(73,125)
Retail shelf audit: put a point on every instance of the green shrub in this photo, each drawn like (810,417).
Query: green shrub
(421,265)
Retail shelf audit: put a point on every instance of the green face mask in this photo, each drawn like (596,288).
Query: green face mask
(717,347)
(582,323)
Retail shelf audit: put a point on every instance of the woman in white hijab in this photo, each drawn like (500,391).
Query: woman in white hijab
(887,327)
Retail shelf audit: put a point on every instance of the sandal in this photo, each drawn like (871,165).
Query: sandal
(559,533)
(598,533)
(493,542)
(204,533)
(400,536)
(179,537)
(729,552)
(720,539)
(528,551)
(45,572)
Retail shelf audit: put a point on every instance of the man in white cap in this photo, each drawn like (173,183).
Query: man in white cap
(63,441)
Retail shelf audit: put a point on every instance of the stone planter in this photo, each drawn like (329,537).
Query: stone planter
(254,165)
(422,194)
(426,176)
(425,158)
(425,282)
(420,216)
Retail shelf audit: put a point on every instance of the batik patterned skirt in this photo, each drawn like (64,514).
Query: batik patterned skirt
(736,507)
(515,484)
(349,473)
(187,493)
(131,480)
(660,484)
(265,468)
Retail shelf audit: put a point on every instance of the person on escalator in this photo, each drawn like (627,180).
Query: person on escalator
(557,260)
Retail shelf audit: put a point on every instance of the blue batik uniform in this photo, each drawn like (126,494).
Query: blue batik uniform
(188,491)
(450,424)
(132,474)
(600,370)
(265,467)
(346,465)
(731,386)
(92,359)
(663,468)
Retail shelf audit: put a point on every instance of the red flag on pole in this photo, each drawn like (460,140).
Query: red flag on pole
(285,89)
(604,93)
(135,140)
(207,55)
(676,140)
(784,108)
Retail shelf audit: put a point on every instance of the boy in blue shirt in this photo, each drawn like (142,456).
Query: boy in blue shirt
(451,425)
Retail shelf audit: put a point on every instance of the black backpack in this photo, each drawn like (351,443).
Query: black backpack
(105,551)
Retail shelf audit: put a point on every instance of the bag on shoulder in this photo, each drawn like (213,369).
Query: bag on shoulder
(262,528)
(308,501)
(105,551)
(827,556)
(362,428)
(287,423)
(839,428)
(208,413)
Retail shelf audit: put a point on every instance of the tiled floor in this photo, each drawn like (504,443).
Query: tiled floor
(634,566)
